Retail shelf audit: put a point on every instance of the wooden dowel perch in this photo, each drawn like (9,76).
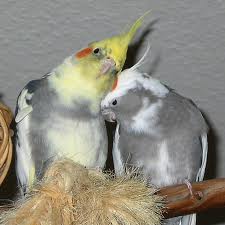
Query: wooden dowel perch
(206,195)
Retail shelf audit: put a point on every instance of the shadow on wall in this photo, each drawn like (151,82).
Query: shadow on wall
(213,216)
(1,97)
(136,46)
(212,158)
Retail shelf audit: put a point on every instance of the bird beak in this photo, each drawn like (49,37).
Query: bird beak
(107,65)
(109,115)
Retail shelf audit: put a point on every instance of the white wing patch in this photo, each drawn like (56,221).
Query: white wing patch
(144,121)
(24,163)
(163,163)
(23,108)
(117,159)
(23,113)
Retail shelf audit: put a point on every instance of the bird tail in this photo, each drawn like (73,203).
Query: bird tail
(188,220)
(201,171)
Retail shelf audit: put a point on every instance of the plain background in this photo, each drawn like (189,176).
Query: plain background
(187,51)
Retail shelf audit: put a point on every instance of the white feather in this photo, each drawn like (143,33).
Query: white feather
(146,113)
(130,79)
(24,163)
(165,161)
(117,159)
(23,108)
(23,113)
(201,171)
(77,147)
(142,60)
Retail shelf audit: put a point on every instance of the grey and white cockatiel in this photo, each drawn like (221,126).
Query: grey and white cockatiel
(59,114)
(158,131)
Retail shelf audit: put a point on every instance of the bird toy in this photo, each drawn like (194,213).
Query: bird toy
(5,141)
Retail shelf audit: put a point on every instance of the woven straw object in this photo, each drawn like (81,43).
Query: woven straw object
(5,141)
(71,194)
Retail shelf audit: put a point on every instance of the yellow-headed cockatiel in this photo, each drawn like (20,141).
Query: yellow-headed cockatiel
(59,114)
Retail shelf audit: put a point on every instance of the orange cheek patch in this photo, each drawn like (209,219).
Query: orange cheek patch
(115,84)
(84,52)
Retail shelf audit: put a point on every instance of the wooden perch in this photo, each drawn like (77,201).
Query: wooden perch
(206,195)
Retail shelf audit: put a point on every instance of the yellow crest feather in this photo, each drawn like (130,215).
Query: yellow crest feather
(132,31)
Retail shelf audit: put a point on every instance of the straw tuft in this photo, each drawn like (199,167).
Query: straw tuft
(70,194)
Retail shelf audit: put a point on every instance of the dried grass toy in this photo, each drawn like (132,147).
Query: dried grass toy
(70,194)
(5,141)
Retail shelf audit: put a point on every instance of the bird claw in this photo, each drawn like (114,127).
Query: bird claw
(189,186)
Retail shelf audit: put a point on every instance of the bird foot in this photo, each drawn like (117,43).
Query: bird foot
(198,195)
(189,186)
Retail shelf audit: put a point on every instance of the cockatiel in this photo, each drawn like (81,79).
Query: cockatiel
(59,114)
(158,131)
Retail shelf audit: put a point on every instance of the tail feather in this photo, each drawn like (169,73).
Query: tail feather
(188,220)
(201,171)
(191,219)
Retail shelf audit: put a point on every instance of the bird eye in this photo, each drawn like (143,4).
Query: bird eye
(96,51)
(114,102)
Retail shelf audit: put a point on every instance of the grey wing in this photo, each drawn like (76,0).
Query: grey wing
(191,219)
(203,138)
(24,164)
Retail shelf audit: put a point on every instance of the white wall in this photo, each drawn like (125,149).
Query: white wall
(187,39)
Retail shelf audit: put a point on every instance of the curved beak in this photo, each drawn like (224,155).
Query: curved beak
(107,65)
(108,115)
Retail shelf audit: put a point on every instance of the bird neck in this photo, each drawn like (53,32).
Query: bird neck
(72,87)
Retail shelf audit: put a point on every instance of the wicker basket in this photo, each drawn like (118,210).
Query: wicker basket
(5,141)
